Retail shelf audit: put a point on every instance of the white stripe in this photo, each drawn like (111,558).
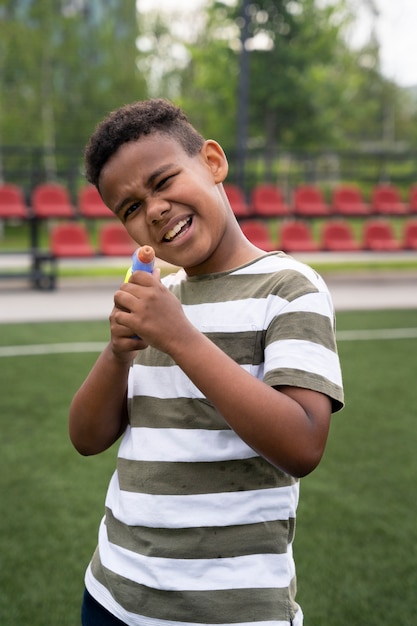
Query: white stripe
(212,509)
(306,356)
(272,264)
(161,382)
(254,571)
(102,595)
(164,382)
(319,303)
(255,313)
(235,315)
(176,278)
(186,445)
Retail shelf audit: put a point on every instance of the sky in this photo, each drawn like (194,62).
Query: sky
(396,31)
(395,25)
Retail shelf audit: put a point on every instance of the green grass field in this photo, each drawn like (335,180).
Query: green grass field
(356,537)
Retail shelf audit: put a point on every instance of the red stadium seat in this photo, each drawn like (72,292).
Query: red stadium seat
(257,232)
(91,205)
(297,237)
(412,200)
(50,200)
(347,200)
(114,240)
(70,240)
(268,201)
(410,235)
(378,235)
(309,202)
(237,200)
(386,200)
(12,203)
(338,236)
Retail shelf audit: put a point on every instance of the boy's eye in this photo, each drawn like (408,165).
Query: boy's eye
(163,181)
(131,209)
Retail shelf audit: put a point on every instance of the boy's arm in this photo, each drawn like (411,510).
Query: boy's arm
(288,426)
(98,412)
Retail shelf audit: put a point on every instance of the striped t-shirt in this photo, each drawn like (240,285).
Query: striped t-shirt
(198,527)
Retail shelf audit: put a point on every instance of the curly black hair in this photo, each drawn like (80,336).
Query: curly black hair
(132,121)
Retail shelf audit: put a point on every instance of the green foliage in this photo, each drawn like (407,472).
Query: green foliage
(204,81)
(63,68)
(65,65)
(304,38)
(307,87)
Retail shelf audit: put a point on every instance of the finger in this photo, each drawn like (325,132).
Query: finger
(124,300)
(142,278)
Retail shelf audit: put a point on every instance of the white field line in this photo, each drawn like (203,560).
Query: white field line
(377,333)
(96,346)
(51,348)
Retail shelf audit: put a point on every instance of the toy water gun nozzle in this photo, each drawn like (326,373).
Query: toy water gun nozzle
(142,259)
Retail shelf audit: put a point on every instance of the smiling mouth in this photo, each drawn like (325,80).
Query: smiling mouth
(178,230)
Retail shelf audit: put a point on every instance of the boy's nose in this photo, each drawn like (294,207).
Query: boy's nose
(156,209)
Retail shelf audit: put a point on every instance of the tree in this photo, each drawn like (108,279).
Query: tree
(184,57)
(64,66)
(209,82)
(301,40)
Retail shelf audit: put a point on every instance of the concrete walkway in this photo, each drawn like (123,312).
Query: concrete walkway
(92,298)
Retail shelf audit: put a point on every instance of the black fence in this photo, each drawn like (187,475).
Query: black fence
(325,168)
(28,166)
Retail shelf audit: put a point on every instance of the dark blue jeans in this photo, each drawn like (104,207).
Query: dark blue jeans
(93,614)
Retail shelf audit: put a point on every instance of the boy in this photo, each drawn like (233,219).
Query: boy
(223,402)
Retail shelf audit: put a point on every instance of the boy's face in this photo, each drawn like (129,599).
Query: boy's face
(172,201)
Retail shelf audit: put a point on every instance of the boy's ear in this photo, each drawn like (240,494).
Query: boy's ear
(216,159)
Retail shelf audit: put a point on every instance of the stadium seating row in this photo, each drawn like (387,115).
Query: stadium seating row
(308,201)
(52,200)
(336,235)
(71,239)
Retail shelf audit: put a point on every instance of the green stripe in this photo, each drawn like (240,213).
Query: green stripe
(247,347)
(303,326)
(153,357)
(287,284)
(243,347)
(290,285)
(176,413)
(307,380)
(205,607)
(162,478)
(209,542)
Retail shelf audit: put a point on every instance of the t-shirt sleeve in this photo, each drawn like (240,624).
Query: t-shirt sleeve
(300,347)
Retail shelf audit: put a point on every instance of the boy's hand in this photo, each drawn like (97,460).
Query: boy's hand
(124,341)
(145,308)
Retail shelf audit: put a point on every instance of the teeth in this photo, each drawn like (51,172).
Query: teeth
(174,231)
